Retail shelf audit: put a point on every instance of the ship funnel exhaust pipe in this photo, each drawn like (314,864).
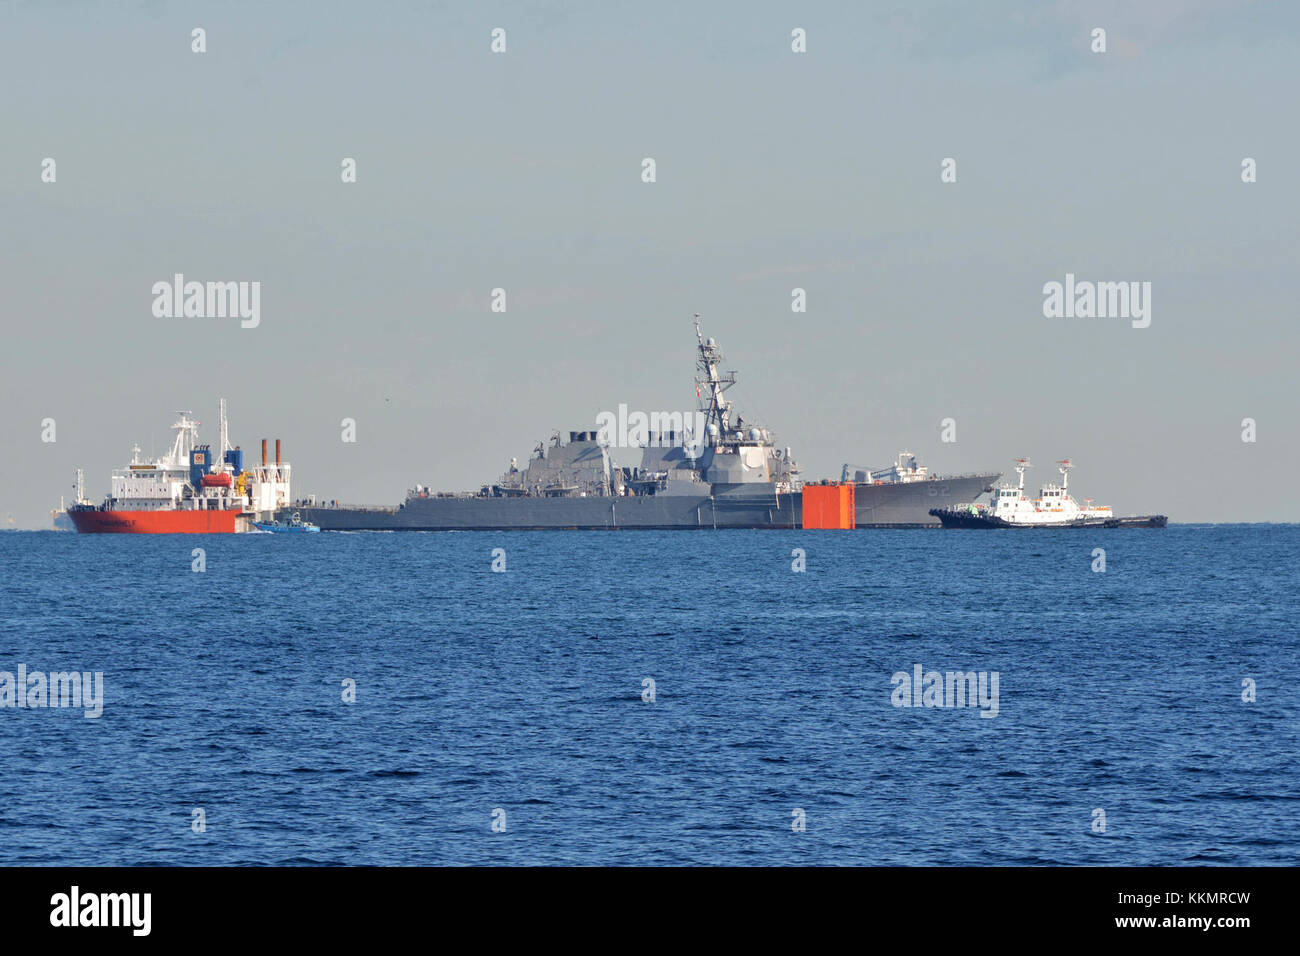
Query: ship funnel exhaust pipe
(277,451)
(263,452)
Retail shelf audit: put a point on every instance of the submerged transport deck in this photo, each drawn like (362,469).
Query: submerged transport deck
(896,505)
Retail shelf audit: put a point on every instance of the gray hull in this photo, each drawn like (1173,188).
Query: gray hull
(887,505)
(908,504)
(564,514)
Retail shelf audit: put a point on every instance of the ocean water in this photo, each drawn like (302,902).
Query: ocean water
(518,696)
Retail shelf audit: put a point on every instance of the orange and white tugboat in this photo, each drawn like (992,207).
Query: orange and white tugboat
(1053,508)
(190,490)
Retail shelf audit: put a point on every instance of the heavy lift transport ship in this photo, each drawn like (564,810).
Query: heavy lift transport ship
(736,477)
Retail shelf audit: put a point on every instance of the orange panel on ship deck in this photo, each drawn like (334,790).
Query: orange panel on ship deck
(828,507)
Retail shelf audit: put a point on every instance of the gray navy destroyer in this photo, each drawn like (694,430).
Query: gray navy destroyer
(726,475)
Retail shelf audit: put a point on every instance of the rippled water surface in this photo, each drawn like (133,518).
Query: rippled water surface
(523,691)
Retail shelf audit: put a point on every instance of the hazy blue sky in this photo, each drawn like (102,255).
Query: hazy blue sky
(523,170)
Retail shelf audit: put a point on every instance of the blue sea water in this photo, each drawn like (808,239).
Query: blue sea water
(522,691)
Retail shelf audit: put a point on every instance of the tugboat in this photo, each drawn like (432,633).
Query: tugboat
(294,525)
(1053,508)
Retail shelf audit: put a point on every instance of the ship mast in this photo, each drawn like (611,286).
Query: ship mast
(187,433)
(225,435)
(716,407)
(1066,465)
(1021,465)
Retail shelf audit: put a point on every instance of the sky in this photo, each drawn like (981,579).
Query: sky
(774,170)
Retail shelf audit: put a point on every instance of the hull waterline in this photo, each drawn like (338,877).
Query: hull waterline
(964,518)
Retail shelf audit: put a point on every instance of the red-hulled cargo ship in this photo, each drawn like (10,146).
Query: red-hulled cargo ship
(190,490)
(95,521)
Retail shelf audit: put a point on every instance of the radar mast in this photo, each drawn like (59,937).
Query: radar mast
(715,405)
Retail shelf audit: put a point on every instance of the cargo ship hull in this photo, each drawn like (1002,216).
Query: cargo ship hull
(889,505)
(161,521)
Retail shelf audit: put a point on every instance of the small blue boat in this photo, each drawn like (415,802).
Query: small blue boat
(295,525)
